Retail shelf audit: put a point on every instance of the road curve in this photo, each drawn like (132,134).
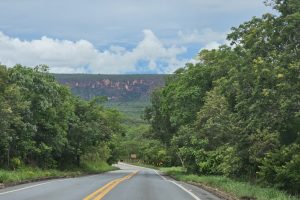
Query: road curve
(128,183)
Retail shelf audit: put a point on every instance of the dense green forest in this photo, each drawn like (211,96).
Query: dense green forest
(235,113)
(43,125)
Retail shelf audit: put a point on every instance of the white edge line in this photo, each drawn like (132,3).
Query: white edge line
(32,186)
(184,189)
(164,178)
(160,175)
(180,186)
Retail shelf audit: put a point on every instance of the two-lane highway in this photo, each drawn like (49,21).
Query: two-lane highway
(128,183)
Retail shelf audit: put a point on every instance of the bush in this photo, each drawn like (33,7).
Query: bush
(15,163)
(222,161)
(3,176)
(231,163)
(240,189)
(282,168)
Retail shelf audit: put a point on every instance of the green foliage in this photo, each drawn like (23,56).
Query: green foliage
(236,112)
(42,124)
(154,153)
(96,167)
(30,173)
(89,128)
(132,110)
(148,151)
(236,188)
(222,161)
(15,162)
(282,167)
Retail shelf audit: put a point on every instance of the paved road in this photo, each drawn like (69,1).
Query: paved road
(128,183)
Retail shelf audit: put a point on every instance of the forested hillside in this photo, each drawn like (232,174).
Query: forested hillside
(129,94)
(235,113)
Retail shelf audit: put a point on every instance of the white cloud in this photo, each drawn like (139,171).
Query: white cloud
(212,45)
(104,22)
(114,26)
(64,56)
(204,36)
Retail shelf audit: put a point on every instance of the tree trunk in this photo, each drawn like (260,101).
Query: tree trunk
(181,160)
(8,156)
(78,160)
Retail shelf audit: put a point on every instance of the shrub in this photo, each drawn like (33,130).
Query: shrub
(15,163)
(282,168)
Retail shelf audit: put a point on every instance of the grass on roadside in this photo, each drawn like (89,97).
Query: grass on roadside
(30,173)
(236,188)
(97,167)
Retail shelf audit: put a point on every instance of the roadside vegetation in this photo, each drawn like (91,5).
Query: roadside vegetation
(238,189)
(231,121)
(34,173)
(46,131)
(234,115)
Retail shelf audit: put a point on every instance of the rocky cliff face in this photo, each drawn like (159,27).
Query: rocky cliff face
(118,88)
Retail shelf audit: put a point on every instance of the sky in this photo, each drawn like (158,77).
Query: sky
(116,36)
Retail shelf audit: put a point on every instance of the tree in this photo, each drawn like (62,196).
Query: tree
(240,102)
(47,115)
(89,128)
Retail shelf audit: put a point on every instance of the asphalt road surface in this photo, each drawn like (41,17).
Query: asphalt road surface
(128,183)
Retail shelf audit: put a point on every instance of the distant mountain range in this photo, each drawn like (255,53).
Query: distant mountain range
(128,93)
(117,88)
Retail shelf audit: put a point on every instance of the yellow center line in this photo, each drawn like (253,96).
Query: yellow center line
(101,192)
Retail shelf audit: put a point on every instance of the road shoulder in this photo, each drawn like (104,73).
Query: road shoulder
(196,191)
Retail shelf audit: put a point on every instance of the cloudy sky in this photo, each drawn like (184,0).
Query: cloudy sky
(116,36)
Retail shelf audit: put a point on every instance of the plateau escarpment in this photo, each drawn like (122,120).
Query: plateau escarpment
(117,88)
(127,93)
